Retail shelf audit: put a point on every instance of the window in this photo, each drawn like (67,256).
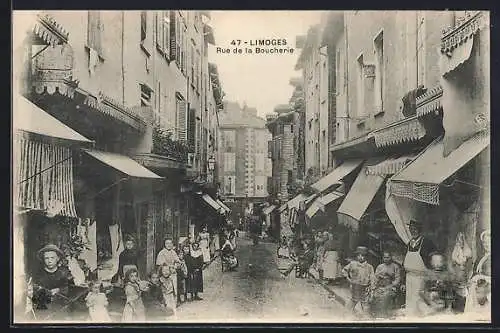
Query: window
(360,89)
(229,162)
(379,72)
(95,31)
(163,32)
(146,95)
(229,184)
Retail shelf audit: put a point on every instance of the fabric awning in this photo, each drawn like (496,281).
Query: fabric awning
(321,203)
(421,178)
(295,202)
(358,199)
(268,210)
(28,117)
(122,163)
(283,207)
(211,202)
(336,175)
(226,208)
(389,166)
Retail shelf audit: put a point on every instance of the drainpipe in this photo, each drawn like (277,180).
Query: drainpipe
(346,82)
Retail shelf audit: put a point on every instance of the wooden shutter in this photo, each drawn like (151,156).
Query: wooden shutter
(166,33)
(159,30)
(181,119)
(94,31)
(192,127)
(173,50)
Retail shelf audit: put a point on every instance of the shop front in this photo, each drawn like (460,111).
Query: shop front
(444,192)
(43,197)
(114,196)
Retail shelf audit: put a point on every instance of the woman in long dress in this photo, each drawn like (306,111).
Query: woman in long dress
(194,263)
(204,244)
(332,269)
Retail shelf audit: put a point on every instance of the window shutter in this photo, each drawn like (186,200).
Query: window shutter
(94,30)
(181,118)
(166,33)
(159,30)
(143,25)
(173,50)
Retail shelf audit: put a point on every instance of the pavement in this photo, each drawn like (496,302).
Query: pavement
(257,292)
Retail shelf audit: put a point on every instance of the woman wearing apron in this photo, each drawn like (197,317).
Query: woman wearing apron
(416,264)
(204,244)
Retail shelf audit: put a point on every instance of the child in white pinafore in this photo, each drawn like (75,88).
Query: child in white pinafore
(97,303)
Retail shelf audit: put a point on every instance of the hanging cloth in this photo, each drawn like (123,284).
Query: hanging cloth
(89,255)
(76,271)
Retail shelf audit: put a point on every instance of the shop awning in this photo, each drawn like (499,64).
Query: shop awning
(268,210)
(122,163)
(325,200)
(28,117)
(211,202)
(336,175)
(226,208)
(358,199)
(389,166)
(283,207)
(295,202)
(420,179)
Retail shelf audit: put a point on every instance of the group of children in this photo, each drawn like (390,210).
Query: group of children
(177,273)
(154,299)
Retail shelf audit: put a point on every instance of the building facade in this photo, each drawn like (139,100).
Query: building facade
(139,85)
(244,168)
(396,82)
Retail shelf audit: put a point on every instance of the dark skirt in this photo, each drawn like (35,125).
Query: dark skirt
(195,283)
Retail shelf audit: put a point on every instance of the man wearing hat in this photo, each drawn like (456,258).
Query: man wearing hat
(51,283)
(416,264)
(360,274)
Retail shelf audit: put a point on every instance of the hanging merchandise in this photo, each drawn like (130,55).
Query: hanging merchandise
(89,254)
(76,271)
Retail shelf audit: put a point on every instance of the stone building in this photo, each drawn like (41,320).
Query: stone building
(139,85)
(244,166)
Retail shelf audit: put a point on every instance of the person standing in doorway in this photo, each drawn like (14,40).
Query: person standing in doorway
(416,264)
(169,257)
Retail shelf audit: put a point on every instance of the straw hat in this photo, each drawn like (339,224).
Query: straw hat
(361,250)
(50,248)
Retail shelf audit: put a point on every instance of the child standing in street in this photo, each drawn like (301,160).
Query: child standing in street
(360,274)
(98,304)
(167,287)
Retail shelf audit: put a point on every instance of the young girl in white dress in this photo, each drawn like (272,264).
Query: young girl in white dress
(97,303)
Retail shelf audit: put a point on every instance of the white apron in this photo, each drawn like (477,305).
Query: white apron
(331,269)
(205,249)
(415,274)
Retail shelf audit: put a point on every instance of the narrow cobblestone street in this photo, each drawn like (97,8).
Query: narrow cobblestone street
(257,292)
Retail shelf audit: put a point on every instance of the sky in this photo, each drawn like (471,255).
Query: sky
(259,80)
